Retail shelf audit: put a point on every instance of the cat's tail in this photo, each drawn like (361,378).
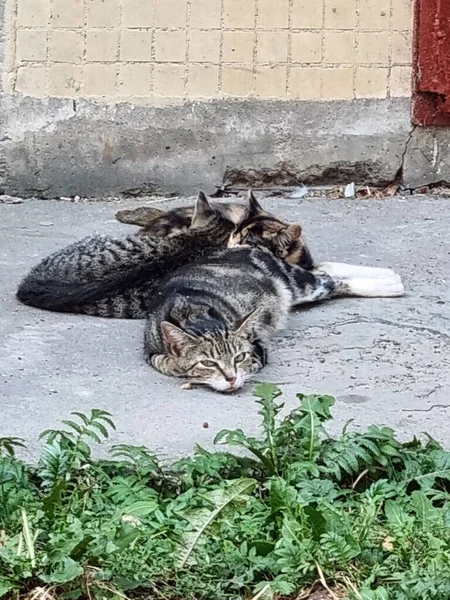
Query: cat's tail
(120,295)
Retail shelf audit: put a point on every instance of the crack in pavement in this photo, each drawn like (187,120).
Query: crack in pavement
(422,328)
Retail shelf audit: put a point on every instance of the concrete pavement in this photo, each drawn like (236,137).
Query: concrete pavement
(386,360)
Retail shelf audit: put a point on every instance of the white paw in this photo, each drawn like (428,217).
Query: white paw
(375,288)
(344,270)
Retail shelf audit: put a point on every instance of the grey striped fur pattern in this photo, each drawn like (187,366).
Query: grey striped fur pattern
(109,276)
(211,321)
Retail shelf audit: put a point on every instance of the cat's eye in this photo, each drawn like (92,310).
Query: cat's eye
(240,357)
(208,363)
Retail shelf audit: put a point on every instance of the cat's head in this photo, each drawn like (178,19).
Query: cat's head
(209,353)
(155,222)
(260,228)
(158,223)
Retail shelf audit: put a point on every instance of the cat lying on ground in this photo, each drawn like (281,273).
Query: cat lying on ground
(211,321)
(156,222)
(109,276)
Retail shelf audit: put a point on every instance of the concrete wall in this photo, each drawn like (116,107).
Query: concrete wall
(109,96)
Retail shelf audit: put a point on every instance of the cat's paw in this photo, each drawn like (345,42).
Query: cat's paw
(389,287)
(187,386)
(346,271)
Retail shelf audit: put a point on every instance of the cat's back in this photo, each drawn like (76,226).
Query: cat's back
(235,277)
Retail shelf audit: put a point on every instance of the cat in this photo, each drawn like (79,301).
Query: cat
(114,277)
(156,222)
(111,276)
(211,321)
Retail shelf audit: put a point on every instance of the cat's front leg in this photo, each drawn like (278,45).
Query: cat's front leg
(165,364)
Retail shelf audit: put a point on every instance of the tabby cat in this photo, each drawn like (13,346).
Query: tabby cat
(111,276)
(211,321)
(157,222)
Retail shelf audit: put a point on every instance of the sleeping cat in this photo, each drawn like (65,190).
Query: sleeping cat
(211,321)
(157,222)
(111,276)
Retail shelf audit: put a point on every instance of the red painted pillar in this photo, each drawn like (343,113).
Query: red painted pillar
(432,62)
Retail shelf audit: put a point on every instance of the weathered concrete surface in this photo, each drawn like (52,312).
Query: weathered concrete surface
(51,148)
(386,360)
(427,157)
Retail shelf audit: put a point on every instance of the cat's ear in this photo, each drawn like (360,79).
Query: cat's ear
(293,232)
(175,339)
(202,212)
(254,207)
(248,324)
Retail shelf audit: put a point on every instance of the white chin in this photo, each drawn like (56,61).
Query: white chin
(221,385)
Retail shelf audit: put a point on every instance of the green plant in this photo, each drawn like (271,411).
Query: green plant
(364,512)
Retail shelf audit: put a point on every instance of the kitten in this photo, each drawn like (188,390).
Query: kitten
(262,229)
(113,276)
(156,222)
(211,321)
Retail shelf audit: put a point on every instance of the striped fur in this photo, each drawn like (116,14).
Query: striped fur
(228,305)
(211,321)
(110,276)
(115,277)
(156,222)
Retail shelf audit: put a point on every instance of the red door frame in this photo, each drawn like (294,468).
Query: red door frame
(431,103)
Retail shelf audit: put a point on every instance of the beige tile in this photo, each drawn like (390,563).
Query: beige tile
(65,80)
(31,44)
(239,14)
(33,13)
(305,83)
(271,81)
(170,46)
(102,46)
(169,80)
(203,80)
(272,46)
(66,46)
(170,13)
(67,13)
(374,15)
(373,48)
(238,46)
(137,13)
(307,14)
(136,46)
(100,80)
(402,15)
(237,80)
(31,81)
(402,48)
(337,84)
(340,14)
(102,13)
(339,47)
(205,14)
(204,46)
(273,14)
(401,82)
(371,82)
(134,80)
(306,47)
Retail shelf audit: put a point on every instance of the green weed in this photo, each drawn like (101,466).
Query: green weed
(363,513)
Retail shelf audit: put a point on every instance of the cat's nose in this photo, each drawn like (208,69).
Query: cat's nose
(231,380)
